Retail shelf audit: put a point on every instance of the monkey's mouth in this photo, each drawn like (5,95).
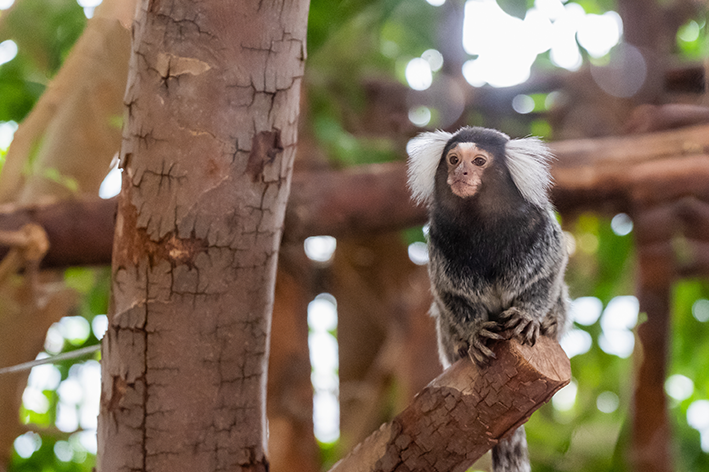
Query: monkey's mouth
(463,188)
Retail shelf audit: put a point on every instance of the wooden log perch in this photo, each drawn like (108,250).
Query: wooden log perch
(465,411)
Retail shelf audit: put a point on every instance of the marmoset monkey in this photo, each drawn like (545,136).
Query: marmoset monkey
(496,251)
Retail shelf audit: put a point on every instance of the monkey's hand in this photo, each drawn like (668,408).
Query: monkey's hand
(475,346)
(520,325)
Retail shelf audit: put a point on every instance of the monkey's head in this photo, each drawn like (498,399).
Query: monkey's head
(475,161)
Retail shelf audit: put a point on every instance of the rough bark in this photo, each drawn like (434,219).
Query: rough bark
(212,107)
(465,411)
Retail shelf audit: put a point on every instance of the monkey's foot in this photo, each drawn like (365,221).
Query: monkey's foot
(520,325)
(476,347)
(550,327)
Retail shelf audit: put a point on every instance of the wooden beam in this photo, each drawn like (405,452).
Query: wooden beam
(606,175)
(80,232)
(358,200)
(613,173)
(602,175)
(465,411)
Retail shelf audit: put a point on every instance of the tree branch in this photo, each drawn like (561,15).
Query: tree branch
(80,232)
(465,411)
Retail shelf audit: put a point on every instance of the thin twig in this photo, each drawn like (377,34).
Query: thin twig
(51,360)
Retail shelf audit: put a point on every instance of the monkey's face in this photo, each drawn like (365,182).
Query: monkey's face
(466,163)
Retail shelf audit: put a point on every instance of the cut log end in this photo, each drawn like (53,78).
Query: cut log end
(465,411)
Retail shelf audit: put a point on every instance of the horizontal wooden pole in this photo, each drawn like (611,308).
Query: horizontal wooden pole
(80,232)
(607,175)
(465,411)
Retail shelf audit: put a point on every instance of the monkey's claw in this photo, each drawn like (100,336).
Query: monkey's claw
(476,347)
(520,325)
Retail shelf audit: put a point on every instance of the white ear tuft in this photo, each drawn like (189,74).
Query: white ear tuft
(528,160)
(424,155)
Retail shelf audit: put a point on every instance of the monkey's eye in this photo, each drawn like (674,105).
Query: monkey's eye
(479,161)
(453,159)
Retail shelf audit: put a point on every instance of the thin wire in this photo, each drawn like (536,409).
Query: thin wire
(51,360)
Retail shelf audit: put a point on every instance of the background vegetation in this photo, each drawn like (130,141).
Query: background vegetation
(354,47)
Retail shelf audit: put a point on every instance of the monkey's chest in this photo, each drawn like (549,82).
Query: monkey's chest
(490,282)
(491,267)
(490,257)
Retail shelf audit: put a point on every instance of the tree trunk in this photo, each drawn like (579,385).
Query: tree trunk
(208,146)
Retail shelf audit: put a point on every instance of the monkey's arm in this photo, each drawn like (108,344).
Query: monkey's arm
(463,328)
(536,295)
(539,308)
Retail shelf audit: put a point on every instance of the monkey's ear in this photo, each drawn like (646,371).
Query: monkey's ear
(528,160)
(425,152)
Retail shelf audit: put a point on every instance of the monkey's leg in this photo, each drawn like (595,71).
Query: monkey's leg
(446,347)
(554,324)
(510,454)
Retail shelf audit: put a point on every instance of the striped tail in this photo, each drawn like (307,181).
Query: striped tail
(510,454)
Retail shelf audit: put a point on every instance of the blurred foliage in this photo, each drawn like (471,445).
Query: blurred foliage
(689,357)
(343,53)
(519,8)
(93,285)
(45,459)
(516,8)
(692,39)
(584,437)
(44,33)
(350,43)
(19,91)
